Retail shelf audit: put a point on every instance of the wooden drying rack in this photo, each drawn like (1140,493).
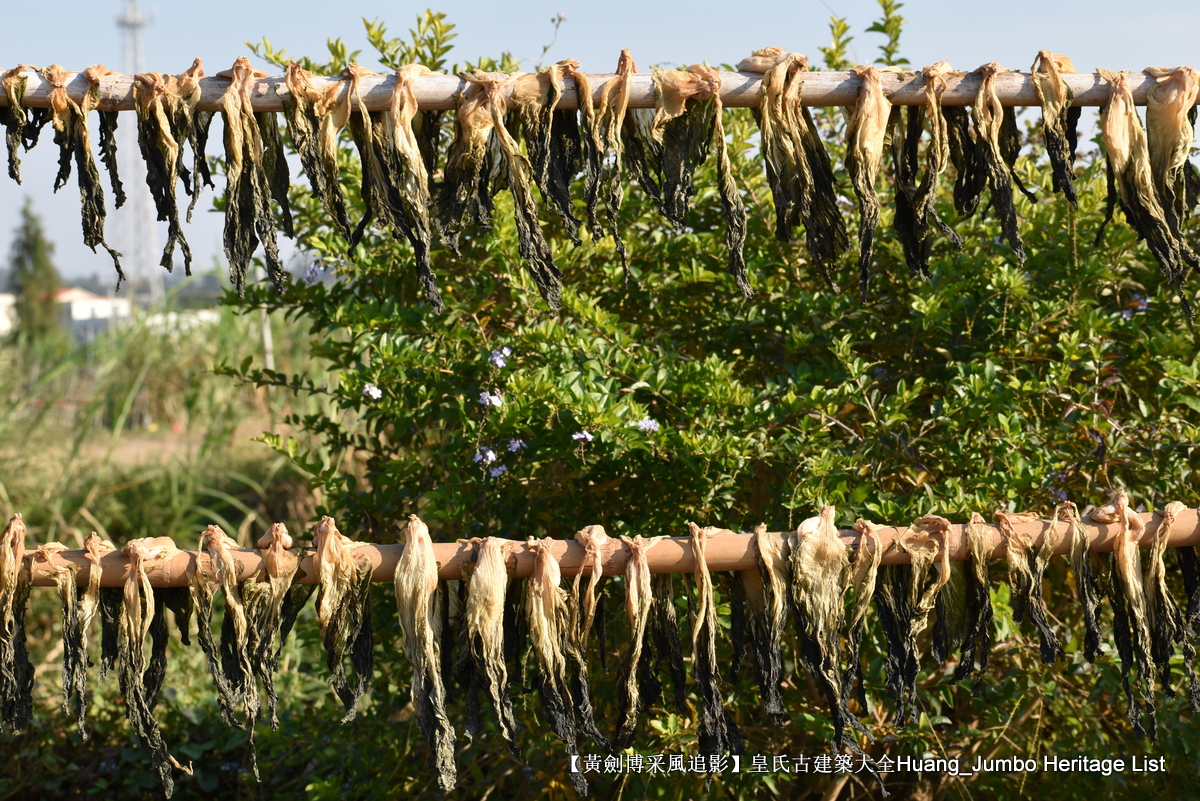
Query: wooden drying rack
(738,89)
(725,550)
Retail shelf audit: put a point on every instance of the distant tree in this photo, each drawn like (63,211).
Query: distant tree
(33,278)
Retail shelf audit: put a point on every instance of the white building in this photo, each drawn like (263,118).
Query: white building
(8,313)
(88,315)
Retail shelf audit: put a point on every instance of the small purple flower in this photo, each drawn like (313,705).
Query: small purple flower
(516,445)
(648,424)
(498,358)
(312,274)
(485,455)
(491,399)
(582,435)
(496,472)
(373,392)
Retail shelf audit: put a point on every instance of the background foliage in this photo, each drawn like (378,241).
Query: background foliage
(994,385)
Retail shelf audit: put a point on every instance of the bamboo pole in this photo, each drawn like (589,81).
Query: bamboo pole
(738,89)
(726,550)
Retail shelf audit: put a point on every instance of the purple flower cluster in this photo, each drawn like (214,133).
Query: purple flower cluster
(499,358)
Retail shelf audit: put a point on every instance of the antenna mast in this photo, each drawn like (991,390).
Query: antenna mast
(139,238)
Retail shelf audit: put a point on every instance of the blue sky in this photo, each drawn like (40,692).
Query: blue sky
(1116,36)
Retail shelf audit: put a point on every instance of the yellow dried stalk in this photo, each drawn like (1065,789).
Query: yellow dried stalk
(255,168)
(1131,629)
(16,671)
(418,605)
(1059,118)
(134,672)
(344,611)
(798,167)
(549,622)
(483,619)
(865,135)
(1130,180)
(717,733)
(1170,131)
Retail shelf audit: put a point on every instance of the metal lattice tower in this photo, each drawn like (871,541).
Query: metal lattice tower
(139,240)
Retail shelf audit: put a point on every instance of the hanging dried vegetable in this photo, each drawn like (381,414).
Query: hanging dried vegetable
(1085,582)
(820,568)
(552,137)
(143,615)
(264,602)
(74,645)
(191,123)
(584,605)
(865,135)
(483,155)
(22,126)
(314,117)
(16,671)
(639,600)
(905,595)
(1170,131)
(764,599)
(1131,183)
(71,135)
(717,733)
(977,642)
(1060,119)
(1026,570)
(256,171)
(609,127)
(915,212)
(482,662)
(418,604)
(228,662)
(798,168)
(344,612)
(166,110)
(413,138)
(549,632)
(89,604)
(665,627)
(1130,627)
(998,145)
(864,571)
(1163,617)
